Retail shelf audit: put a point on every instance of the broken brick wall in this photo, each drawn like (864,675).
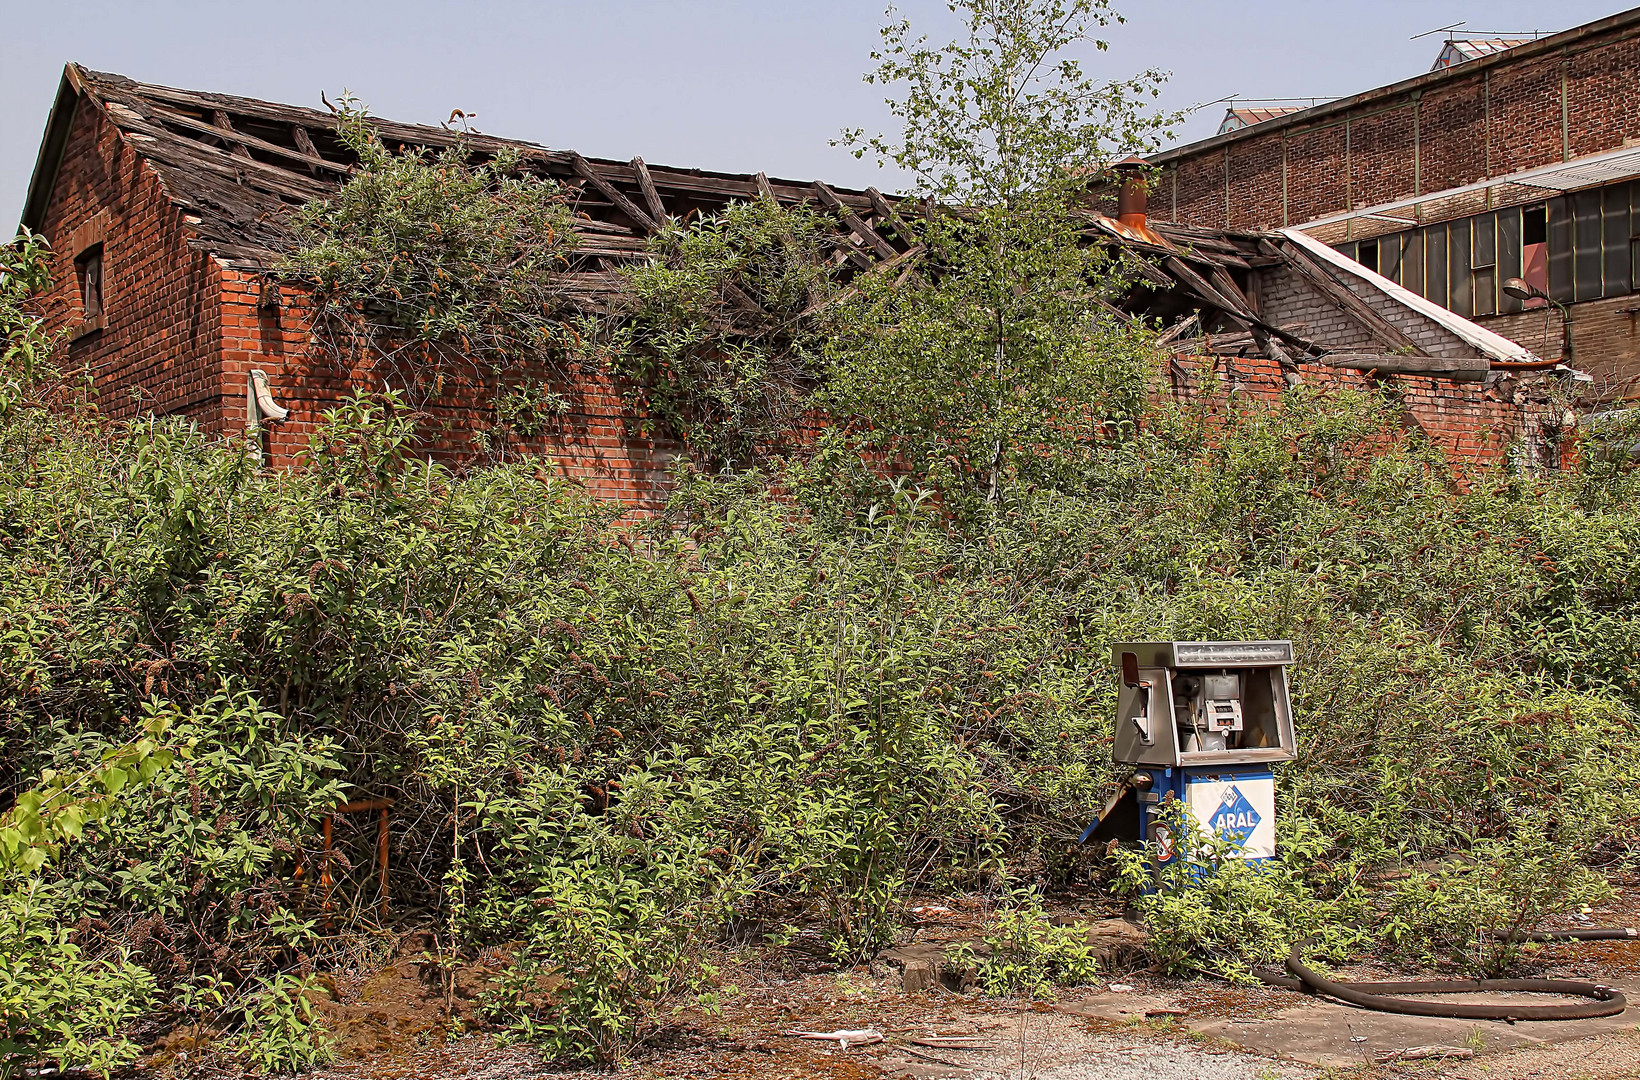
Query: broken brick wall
(600,440)
(1475,424)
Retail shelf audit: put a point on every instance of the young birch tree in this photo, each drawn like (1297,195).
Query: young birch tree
(995,362)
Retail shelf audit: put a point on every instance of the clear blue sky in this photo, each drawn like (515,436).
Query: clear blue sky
(739,85)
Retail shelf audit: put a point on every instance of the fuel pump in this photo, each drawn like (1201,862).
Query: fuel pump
(1201,722)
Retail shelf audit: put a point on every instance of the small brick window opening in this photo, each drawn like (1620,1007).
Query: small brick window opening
(89,269)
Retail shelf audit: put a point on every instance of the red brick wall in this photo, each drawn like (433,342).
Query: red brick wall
(1480,120)
(162,332)
(1379,168)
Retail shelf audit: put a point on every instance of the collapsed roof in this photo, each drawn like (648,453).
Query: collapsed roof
(236,167)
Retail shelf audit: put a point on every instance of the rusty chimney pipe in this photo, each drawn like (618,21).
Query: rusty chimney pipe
(1132,197)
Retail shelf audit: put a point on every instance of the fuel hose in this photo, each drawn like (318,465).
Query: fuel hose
(1380,996)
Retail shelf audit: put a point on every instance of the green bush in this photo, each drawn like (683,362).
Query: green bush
(1213,912)
(57,1003)
(280,1032)
(1475,912)
(1024,952)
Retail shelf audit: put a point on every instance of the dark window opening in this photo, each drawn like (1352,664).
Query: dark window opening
(1534,225)
(1368,256)
(89,269)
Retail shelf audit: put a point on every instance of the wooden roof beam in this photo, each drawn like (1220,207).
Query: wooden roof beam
(886,211)
(304,143)
(230,138)
(584,169)
(646,184)
(308,155)
(828,197)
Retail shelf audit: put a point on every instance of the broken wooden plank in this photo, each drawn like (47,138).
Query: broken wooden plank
(1148,270)
(1180,329)
(856,224)
(646,184)
(308,156)
(1458,368)
(742,299)
(1112,310)
(764,190)
(1226,284)
(584,169)
(1288,366)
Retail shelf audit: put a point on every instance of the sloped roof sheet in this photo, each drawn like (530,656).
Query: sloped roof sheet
(1462,50)
(1235,118)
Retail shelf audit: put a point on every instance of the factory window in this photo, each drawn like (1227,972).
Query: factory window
(1460,266)
(1483,262)
(1435,281)
(1534,224)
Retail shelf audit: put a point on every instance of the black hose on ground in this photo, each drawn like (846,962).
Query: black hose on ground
(1604,1001)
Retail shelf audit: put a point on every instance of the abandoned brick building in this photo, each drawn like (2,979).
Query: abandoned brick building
(1513,157)
(166,209)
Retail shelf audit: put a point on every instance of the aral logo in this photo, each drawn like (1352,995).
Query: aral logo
(1235,819)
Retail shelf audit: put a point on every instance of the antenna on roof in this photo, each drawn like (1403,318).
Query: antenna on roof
(1209,104)
(1439,30)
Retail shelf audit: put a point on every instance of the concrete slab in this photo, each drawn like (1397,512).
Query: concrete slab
(1326,1034)
(1119,1007)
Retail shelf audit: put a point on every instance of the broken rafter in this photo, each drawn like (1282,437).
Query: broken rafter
(885,210)
(742,299)
(230,138)
(1261,337)
(856,224)
(764,189)
(307,154)
(584,169)
(1178,330)
(646,184)
(1148,270)
(1267,344)
(304,143)
(1197,284)
(1237,308)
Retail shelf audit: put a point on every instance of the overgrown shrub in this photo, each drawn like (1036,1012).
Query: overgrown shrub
(447,257)
(720,335)
(57,1003)
(1476,912)
(1214,912)
(1025,953)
